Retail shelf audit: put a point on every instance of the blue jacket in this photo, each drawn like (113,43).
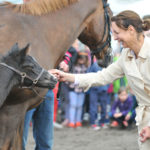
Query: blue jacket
(94,68)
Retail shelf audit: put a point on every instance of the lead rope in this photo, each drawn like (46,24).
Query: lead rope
(35,91)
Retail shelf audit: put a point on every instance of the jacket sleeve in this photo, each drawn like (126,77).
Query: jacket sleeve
(114,107)
(70,57)
(106,76)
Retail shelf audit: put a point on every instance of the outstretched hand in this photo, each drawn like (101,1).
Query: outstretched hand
(145,134)
(60,75)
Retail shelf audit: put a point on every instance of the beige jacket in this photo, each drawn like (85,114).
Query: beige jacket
(138,76)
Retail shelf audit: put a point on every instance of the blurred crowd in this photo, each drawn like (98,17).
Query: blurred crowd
(112,105)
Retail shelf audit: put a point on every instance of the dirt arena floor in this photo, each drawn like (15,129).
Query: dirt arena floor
(87,139)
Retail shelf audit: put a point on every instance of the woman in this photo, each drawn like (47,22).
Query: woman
(134,63)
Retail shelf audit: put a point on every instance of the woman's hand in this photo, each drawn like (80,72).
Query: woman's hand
(62,76)
(145,134)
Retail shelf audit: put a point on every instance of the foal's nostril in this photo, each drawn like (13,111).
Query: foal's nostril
(53,78)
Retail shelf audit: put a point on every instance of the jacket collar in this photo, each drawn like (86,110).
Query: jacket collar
(145,48)
(143,51)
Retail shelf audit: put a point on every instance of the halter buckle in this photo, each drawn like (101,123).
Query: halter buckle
(35,81)
(23,74)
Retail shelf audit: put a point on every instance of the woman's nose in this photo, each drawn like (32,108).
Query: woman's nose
(115,37)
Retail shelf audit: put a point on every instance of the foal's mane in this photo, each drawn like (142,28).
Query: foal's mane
(40,7)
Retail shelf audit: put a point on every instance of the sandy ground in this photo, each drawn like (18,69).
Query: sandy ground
(87,139)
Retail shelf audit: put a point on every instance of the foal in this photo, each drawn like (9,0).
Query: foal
(19,69)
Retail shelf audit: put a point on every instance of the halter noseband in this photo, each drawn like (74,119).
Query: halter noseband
(23,74)
(107,23)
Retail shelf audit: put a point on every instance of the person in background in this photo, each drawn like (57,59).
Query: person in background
(128,28)
(130,117)
(120,108)
(67,65)
(98,95)
(56,102)
(42,122)
(76,95)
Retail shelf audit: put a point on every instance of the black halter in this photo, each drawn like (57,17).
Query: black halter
(24,75)
(107,23)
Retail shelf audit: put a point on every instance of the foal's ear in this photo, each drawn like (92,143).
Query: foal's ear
(14,47)
(25,50)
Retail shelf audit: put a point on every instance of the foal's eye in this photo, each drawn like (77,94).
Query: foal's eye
(28,66)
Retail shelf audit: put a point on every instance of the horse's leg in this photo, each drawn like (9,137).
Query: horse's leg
(12,115)
(17,145)
(10,127)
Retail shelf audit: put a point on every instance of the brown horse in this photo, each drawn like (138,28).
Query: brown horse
(51,26)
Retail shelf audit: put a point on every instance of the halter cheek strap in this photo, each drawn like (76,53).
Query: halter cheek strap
(23,74)
(107,24)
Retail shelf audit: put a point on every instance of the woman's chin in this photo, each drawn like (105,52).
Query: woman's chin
(124,45)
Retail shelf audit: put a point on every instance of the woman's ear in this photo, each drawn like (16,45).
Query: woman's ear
(131,29)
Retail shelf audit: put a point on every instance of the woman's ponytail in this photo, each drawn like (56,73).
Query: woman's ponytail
(146,23)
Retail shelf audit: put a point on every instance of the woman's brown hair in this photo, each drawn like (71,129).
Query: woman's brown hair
(126,18)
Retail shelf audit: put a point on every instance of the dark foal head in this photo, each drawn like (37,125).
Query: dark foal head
(25,70)
(18,68)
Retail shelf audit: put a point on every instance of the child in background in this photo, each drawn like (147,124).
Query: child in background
(98,96)
(76,94)
(67,63)
(123,104)
(130,117)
